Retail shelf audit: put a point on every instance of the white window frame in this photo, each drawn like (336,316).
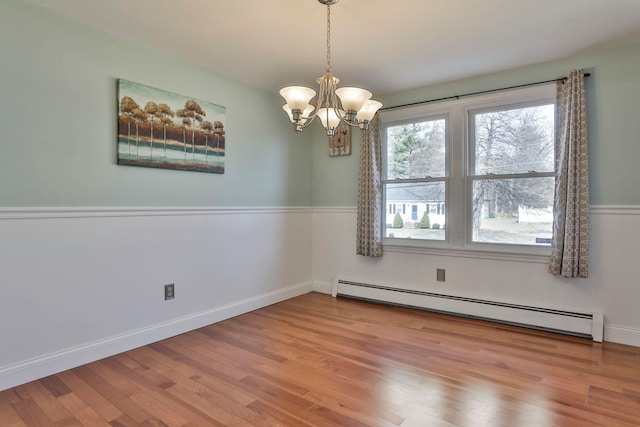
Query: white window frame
(458,179)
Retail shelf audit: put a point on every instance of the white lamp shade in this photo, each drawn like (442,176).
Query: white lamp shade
(328,117)
(305,112)
(353,98)
(368,110)
(297,97)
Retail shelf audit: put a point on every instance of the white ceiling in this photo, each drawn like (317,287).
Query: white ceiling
(382,45)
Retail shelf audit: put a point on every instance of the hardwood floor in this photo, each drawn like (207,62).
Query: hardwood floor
(320,361)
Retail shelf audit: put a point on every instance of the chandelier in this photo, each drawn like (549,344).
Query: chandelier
(350,105)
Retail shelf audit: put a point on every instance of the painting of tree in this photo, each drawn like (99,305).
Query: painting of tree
(207,126)
(165,113)
(152,110)
(179,116)
(127,107)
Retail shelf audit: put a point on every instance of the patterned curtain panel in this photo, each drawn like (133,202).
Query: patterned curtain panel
(369,231)
(570,247)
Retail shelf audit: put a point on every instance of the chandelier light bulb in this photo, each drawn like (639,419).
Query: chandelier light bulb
(366,113)
(297,97)
(353,98)
(330,119)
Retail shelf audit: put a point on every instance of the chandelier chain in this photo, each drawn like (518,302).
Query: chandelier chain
(328,37)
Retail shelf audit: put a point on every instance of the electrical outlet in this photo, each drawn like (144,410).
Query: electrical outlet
(440,274)
(169,291)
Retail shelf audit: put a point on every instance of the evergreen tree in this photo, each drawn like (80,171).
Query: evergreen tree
(397,221)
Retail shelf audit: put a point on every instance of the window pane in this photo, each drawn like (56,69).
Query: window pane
(514,141)
(425,219)
(416,150)
(516,211)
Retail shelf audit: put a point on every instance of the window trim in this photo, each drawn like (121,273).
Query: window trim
(458,180)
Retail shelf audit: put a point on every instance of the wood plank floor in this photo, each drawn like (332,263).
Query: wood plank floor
(320,361)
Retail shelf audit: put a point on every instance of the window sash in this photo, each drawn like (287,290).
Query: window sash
(388,181)
(471,131)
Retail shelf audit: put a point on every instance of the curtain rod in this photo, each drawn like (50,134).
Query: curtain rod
(478,93)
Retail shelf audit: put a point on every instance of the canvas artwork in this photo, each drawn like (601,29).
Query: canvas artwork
(340,143)
(160,129)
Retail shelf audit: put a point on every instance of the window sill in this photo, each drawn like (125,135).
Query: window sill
(467,253)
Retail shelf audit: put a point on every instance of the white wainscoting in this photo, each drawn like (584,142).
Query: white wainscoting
(612,287)
(80,284)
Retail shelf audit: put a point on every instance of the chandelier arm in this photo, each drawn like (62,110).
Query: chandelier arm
(345,121)
(320,102)
(336,105)
(310,117)
(307,122)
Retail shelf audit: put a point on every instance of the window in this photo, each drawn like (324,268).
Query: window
(511,174)
(477,172)
(415,171)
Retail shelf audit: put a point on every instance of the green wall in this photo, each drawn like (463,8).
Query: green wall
(613,111)
(335,179)
(58,124)
(58,111)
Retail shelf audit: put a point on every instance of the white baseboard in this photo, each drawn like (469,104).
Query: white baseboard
(622,335)
(30,370)
(612,333)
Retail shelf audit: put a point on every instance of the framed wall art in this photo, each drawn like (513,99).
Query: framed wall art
(161,129)
(340,143)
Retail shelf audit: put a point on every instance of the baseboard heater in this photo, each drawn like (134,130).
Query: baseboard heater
(588,325)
